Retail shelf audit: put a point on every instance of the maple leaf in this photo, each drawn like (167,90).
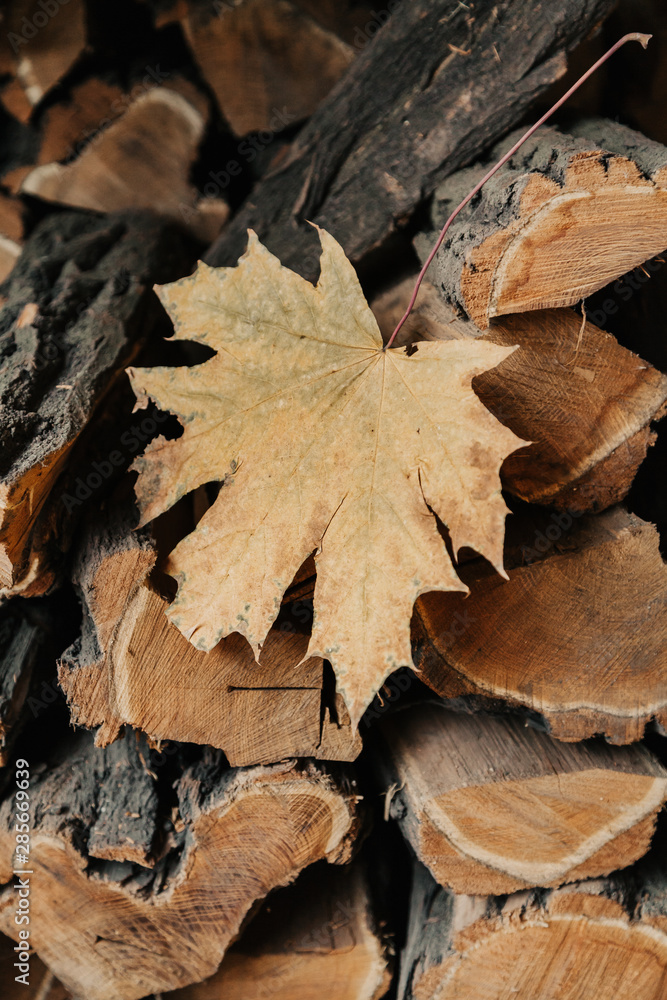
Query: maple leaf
(324,443)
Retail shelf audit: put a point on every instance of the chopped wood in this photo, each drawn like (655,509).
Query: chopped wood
(39,48)
(377,146)
(602,938)
(566,216)
(317,934)
(110,564)
(236,835)
(563,366)
(131,665)
(577,635)
(76,310)
(268,62)
(491,805)
(141,161)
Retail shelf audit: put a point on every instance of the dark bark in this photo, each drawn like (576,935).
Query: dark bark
(26,651)
(77,308)
(410,111)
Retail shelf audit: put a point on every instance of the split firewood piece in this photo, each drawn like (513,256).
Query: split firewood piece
(586,403)
(602,938)
(234,836)
(318,933)
(41,42)
(578,634)
(67,127)
(567,215)
(110,564)
(77,308)
(491,805)
(131,665)
(268,63)
(141,161)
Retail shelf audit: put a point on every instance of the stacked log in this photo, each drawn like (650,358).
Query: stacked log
(107,861)
(211,825)
(604,937)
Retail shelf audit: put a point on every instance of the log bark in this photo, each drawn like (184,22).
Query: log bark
(566,216)
(319,931)
(384,139)
(585,402)
(77,308)
(132,666)
(576,636)
(194,872)
(601,938)
(493,806)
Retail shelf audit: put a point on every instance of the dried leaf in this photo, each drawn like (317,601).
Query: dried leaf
(323,442)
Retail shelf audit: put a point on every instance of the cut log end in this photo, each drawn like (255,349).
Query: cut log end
(573,636)
(572,942)
(568,215)
(242,833)
(493,806)
(319,931)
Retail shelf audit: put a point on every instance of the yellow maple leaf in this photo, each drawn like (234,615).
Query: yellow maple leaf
(323,442)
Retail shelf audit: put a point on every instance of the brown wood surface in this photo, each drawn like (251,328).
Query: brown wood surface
(585,403)
(42,984)
(269,64)
(491,805)
(233,835)
(142,161)
(317,936)
(424,97)
(37,53)
(576,635)
(130,665)
(600,938)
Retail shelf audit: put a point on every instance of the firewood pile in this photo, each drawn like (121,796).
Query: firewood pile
(333,655)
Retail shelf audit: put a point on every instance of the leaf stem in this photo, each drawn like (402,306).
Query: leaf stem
(634,36)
